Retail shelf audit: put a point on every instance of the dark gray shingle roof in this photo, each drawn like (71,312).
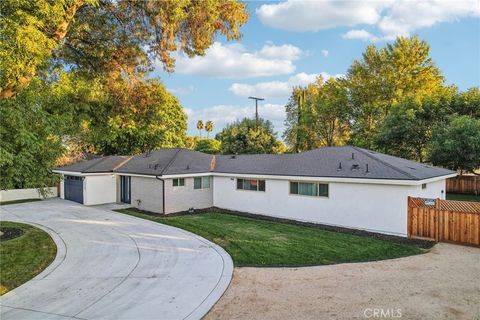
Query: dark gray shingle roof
(335,162)
(98,165)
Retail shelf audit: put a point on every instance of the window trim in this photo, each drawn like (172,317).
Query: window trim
(178,182)
(201,182)
(309,182)
(250,179)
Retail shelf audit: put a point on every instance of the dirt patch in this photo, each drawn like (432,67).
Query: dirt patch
(442,284)
(7,233)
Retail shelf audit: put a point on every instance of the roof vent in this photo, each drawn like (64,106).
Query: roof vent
(353,155)
(188,167)
(155,166)
(355,166)
(233,156)
(339,166)
(366,170)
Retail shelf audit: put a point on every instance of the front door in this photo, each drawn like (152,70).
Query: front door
(125,184)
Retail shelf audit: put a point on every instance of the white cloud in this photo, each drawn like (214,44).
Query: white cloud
(234,61)
(325,53)
(181,90)
(319,15)
(391,18)
(360,35)
(286,51)
(221,115)
(277,89)
(404,17)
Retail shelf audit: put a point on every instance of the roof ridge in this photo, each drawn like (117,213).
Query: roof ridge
(102,159)
(385,163)
(171,161)
(118,166)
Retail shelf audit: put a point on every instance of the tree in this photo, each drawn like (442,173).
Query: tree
(317,115)
(407,130)
(245,136)
(211,146)
(200,127)
(385,77)
(209,127)
(99,36)
(28,149)
(457,145)
(467,103)
(139,116)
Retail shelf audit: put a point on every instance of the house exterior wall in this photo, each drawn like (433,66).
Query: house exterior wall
(185,197)
(373,207)
(99,189)
(147,194)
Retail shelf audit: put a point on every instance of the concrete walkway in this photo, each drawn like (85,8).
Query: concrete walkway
(113,266)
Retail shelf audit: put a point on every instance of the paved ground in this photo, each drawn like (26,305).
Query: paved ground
(442,284)
(113,266)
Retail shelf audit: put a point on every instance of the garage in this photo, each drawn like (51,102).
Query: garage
(73,188)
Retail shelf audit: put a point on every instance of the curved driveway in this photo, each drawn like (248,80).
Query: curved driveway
(113,266)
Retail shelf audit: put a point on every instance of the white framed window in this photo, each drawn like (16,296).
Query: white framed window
(250,184)
(178,182)
(201,183)
(314,189)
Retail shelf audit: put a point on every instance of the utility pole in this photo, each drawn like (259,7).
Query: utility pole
(256,106)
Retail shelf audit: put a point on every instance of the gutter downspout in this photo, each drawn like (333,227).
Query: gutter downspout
(163,192)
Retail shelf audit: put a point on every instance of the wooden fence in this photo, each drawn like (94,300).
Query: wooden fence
(444,220)
(464,184)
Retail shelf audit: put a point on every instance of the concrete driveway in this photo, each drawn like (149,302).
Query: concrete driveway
(113,266)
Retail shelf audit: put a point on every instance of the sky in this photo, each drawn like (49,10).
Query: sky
(289,43)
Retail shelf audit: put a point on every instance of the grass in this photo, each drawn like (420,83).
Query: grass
(463,197)
(257,242)
(18,201)
(24,257)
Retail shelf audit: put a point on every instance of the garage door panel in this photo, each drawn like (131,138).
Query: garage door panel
(74,188)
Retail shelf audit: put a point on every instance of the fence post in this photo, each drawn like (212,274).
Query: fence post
(409,218)
(437,220)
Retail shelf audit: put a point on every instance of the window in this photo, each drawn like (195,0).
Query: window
(179,182)
(309,189)
(251,184)
(424,186)
(201,183)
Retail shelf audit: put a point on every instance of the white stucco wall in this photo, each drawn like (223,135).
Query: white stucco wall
(149,192)
(374,207)
(99,189)
(185,197)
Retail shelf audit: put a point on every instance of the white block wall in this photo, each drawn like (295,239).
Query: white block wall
(99,189)
(23,194)
(185,197)
(149,192)
(372,207)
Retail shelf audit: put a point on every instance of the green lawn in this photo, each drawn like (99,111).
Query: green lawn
(24,257)
(257,242)
(463,197)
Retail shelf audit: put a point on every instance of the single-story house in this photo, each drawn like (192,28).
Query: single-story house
(341,186)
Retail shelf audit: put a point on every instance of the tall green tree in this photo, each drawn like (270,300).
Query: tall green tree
(246,136)
(317,115)
(407,130)
(28,149)
(467,103)
(98,36)
(457,145)
(200,127)
(384,77)
(209,127)
(207,145)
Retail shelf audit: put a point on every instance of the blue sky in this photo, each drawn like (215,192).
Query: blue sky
(290,42)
